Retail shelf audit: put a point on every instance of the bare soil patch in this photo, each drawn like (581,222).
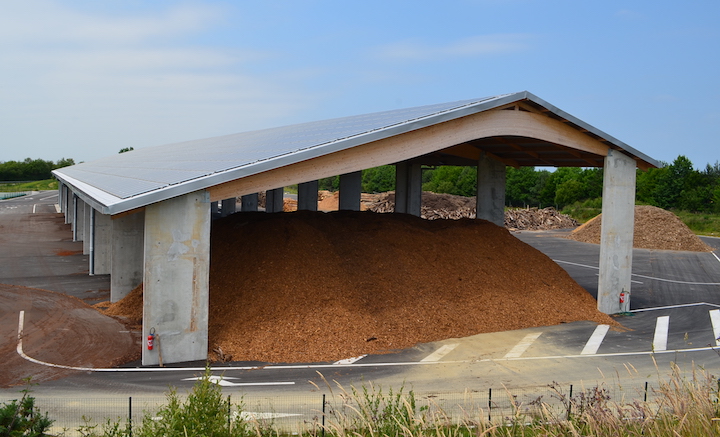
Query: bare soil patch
(58,329)
(655,228)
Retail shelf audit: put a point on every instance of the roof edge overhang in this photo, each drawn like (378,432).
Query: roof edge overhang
(109,204)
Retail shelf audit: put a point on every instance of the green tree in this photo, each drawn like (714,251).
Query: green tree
(378,179)
(461,181)
(126,149)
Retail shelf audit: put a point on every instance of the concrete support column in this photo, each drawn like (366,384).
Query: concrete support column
(73,215)
(103,243)
(408,187)
(127,249)
(616,238)
(249,202)
(308,196)
(61,196)
(79,221)
(87,229)
(176,278)
(490,190)
(228,207)
(350,190)
(68,205)
(274,200)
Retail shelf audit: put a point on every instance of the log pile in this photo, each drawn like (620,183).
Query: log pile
(449,207)
(534,219)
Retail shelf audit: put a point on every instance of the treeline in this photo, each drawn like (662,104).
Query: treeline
(675,186)
(31,169)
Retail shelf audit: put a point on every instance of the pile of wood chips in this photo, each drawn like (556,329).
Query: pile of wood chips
(655,228)
(310,287)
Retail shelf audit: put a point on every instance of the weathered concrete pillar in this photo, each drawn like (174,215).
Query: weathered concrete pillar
(490,204)
(408,187)
(126,271)
(68,205)
(103,243)
(61,196)
(616,238)
(87,229)
(176,279)
(79,220)
(308,196)
(249,202)
(350,190)
(228,207)
(73,216)
(274,200)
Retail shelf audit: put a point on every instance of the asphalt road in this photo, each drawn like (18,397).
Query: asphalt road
(674,319)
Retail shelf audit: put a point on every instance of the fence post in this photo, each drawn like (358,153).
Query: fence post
(323,417)
(570,403)
(490,405)
(229,414)
(130,415)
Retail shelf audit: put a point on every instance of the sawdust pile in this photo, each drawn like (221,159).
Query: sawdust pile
(655,228)
(130,308)
(326,286)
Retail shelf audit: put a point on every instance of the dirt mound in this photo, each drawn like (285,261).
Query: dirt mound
(655,228)
(326,286)
(58,329)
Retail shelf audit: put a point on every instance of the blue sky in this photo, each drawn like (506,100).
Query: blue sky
(83,79)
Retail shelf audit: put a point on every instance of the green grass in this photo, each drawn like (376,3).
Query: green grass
(701,223)
(48,184)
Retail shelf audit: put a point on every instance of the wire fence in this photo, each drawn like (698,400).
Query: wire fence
(305,413)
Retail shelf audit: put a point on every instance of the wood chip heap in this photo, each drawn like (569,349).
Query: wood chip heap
(326,286)
(315,287)
(655,228)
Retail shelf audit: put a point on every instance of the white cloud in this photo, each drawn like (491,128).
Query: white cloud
(481,45)
(45,22)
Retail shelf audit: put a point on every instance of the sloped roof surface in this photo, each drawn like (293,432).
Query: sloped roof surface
(139,171)
(137,178)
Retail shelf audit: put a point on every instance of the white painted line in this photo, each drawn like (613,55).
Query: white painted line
(57,208)
(596,339)
(675,306)
(347,361)
(524,344)
(715,255)
(439,354)
(643,276)
(715,320)
(330,366)
(224,381)
(49,197)
(661,333)
(34,207)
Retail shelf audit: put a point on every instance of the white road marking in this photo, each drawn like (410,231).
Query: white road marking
(439,354)
(643,276)
(49,197)
(661,333)
(715,320)
(223,381)
(329,366)
(674,306)
(596,339)
(57,208)
(715,255)
(34,207)
(347,361)
(524,344)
